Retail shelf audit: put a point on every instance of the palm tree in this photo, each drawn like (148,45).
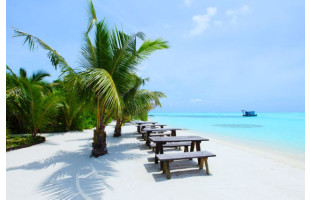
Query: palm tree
(136,102)
(70,103)
(107,65)
(30,99)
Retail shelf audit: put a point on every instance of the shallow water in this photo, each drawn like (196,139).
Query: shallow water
(281,131)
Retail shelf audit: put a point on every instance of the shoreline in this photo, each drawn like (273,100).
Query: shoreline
(294,159)
(61,168)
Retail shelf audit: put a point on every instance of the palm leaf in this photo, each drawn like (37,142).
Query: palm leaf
(54,57)
(92,19)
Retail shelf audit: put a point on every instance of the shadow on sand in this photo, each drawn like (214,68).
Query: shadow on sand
(178,169)
(80,176)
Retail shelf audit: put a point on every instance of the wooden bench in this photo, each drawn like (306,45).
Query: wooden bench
(166,158)
(173,144)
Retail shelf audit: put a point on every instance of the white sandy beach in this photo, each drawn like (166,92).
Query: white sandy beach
(61,168)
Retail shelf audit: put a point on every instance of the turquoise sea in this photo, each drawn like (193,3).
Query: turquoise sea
(279,131)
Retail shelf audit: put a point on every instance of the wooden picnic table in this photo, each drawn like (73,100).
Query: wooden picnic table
(140,123)
(152,125)
(148,131)
(143,126)
(160,141)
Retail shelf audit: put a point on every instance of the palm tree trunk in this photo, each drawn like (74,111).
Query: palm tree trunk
(118,128)
(100,144)
(34,132)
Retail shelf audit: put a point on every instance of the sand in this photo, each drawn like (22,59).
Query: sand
(61,168)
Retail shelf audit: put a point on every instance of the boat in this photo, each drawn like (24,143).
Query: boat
(248,113)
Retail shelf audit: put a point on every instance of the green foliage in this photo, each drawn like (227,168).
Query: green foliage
(30,101)
(85,120)
(105,84)
(143,117)
(21,141)
(36,106)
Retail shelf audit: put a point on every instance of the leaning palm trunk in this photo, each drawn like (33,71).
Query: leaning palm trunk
(118,128)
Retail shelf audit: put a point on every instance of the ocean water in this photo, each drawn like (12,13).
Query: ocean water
(279,131)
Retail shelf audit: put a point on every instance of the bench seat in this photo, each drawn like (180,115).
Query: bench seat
(159,134)
(173,144)
(201,155)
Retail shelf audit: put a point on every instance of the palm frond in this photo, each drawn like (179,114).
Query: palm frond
(10,70)
(39,76)
(54,57)
(92,18)
(22,73)
(101,84)
(149,46)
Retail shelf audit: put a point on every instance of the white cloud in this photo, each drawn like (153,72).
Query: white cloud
(202,22)
(237,12)
(195,100)
(188,2)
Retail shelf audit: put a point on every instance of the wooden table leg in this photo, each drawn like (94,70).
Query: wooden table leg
(192,148)
(147,141)
(173,133)
(198,146)
(167,169)
(156,152)
(161,151)
(201,163)
(207,166)
(198,149)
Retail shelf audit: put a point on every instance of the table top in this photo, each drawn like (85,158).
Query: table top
(152,125)
(177,139)
(160,129)
(145,123)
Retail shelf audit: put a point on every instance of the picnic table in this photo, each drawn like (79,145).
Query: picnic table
(148,131)
(140,123)
(160,141)
(143,126)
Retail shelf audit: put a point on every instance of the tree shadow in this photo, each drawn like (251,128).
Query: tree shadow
(115,140)
(81,176)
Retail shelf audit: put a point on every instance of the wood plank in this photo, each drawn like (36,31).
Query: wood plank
(159,134)
(161,129)
(150,125)
(139,123)
(185,155)
(173,144)
(177,139)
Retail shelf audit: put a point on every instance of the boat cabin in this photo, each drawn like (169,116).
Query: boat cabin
(248,113)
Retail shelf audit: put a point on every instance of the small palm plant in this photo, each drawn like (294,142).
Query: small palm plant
(136,102)
(106,68)
(31,99)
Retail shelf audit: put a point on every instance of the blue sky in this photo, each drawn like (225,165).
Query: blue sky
(225,56)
